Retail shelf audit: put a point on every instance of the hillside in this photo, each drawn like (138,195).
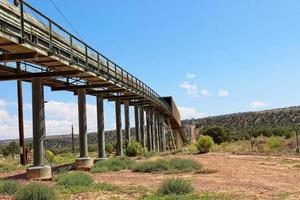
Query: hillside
(242,122)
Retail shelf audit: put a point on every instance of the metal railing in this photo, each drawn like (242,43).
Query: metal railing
(87,57)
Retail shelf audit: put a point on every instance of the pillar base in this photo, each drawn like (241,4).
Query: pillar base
(83,163)
(97,160)
(39,172)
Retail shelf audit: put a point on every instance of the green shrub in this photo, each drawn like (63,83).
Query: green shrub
(112,164)
(73,179)
(175,186)
(110,147)
(64,158)
(149,154)
(134,148)
(192,148)
(7,167)
(35,191)
(9,187)
(219,134)
(275,143)
(175,165)
(204,144)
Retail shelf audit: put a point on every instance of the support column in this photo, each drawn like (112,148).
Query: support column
(148,125)
(83,162)
(21,121)
(152,131)
(39,170)
(127,121)
(100,125)
(142,126)
(119,147)
(137,123)
(156,132)
(163,135)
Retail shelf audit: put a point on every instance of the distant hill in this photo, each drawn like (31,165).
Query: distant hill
(245,121)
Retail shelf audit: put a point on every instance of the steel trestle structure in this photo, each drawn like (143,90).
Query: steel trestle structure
(48,55)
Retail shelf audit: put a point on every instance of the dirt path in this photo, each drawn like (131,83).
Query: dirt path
(248,177)
(245,177)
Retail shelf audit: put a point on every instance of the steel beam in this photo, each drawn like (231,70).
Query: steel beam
(25,76)
(119,147)
(75,87)
(11,57)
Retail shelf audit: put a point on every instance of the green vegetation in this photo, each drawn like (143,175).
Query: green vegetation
(112,164)
(176,165)
(73,179)
(9,187)
(192,196)
(275,143)
(204,144)
(134,148)
(219,134)
(11,149)
(35,191)
(175,186)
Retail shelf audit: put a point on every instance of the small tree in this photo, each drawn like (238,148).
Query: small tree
(13,148)
(204,144)
(219,134)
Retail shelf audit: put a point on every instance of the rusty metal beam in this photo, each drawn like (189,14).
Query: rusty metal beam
(107,91)
(75,87)
(37,75)
(122,97)
(10,57)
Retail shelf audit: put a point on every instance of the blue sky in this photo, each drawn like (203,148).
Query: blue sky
(213,57)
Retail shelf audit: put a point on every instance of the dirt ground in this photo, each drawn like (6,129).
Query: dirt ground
(244,177)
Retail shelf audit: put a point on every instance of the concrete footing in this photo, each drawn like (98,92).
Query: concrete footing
(83,163)
(39,172)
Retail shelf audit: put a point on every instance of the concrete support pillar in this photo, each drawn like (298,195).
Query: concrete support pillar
(163,135)
(137,123)
(153,138)
(83,162)
(39,170)
(148,126)
(142,125)
(159,132)
(100,125)
(127,120)
(156,132)
(119,147)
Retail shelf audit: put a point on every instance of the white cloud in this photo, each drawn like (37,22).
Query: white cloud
(189,113)
(190,75)
(223,93)
(191,89)
(204,92)
(258,104)
(59,118)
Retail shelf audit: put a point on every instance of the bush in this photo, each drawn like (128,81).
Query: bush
(110,147)
(175,165)
(35,191)
(219,134)
(134,148)
(275,143)
(112,164)
(204,144)
(9,187)
(175,186)
(72,179)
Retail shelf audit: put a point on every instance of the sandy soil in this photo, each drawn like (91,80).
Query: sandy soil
(245,177)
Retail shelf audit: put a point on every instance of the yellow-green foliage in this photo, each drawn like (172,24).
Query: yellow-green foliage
(204,144)
(175,186)
(275,143)
(35,191)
